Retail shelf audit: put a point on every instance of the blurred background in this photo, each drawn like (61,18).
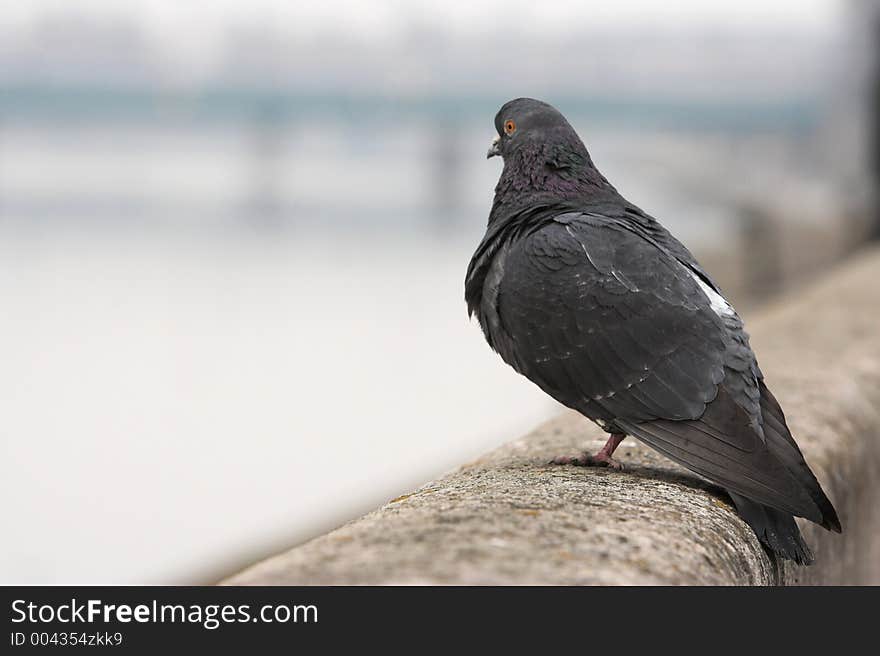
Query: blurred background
(233,238)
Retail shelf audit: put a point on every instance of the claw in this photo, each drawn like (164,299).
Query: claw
(601,459)
(607,461)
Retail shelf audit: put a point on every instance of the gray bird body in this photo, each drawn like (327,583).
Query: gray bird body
(595,302)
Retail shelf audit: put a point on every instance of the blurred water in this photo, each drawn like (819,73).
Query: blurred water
(175,403)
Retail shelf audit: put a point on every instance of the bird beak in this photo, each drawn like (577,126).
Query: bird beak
(493,149)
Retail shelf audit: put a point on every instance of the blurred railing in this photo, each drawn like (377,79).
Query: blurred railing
(271,156)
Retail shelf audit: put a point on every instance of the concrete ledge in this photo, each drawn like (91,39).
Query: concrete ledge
(510,518)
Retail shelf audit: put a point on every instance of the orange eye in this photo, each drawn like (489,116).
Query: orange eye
(509,127)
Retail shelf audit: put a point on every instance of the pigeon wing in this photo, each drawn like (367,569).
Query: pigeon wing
(598,316)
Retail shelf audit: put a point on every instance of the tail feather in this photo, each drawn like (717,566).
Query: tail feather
(764,472)
(782,445)
(775,529)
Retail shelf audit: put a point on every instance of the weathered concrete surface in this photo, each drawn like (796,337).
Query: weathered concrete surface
(511,518)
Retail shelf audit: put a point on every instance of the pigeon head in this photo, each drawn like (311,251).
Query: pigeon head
(526,123)
(545,160)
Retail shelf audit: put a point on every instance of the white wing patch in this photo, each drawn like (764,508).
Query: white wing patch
(716,301)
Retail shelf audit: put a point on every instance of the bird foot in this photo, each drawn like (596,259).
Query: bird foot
(589,460)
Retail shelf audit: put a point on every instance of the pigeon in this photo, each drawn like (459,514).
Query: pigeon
(594,301)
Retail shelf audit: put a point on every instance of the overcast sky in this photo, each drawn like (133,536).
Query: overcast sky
(188,19)
(192,37)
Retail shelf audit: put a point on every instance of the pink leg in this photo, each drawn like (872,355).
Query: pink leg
(601,459)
